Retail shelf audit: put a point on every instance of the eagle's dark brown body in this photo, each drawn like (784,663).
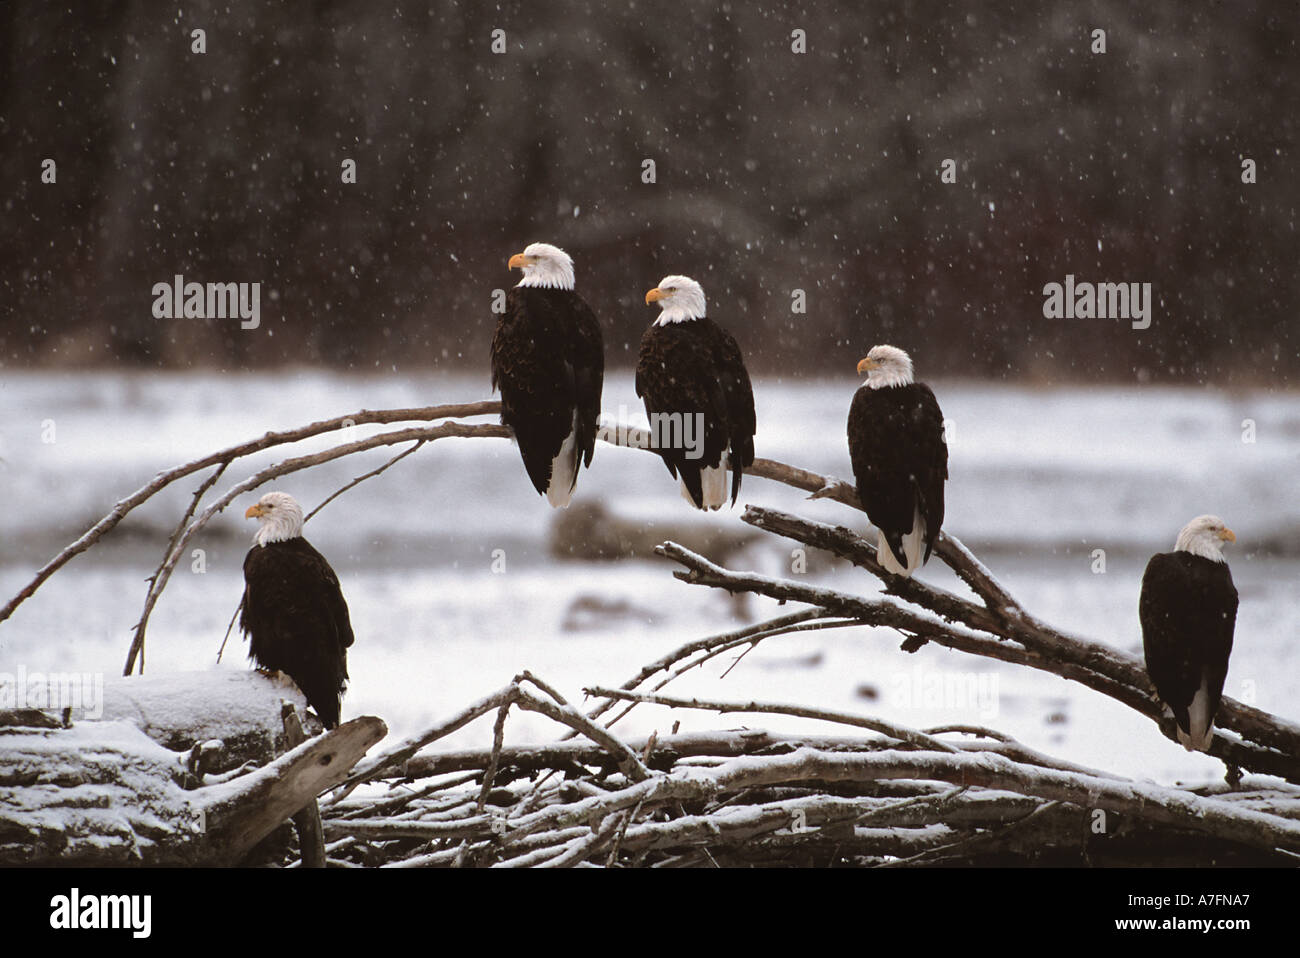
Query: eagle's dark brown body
(297,621)
(695,366)
(548,360)
(1188,610)
(900,460)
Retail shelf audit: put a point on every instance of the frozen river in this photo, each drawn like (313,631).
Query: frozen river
(1040,480)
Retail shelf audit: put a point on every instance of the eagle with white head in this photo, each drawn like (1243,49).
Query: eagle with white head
(692,377)
(1188,611)
(900,458)
(293,611)
(548,360)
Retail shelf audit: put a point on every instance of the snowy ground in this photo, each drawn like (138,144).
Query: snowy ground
(1040,479)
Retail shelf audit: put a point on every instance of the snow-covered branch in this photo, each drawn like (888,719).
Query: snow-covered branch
(751,796)
(223,458)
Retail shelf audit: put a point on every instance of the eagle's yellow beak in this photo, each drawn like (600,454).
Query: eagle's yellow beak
(864,365)
(254,511)
(518,261)
(1227,535)
(654,296)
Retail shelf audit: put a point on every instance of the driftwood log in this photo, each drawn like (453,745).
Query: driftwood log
(127,787)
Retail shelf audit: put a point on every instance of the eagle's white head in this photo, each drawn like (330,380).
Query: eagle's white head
(279,517)
(545,266)
(886,366)
(1204,536)
(680,298)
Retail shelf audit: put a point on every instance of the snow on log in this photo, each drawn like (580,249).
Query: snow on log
(180,710)
(98,793)
(131,778)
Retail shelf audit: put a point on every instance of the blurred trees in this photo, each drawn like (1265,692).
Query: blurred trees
(775,171)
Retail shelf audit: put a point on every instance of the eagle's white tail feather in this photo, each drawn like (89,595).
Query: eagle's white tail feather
(564,470)
(1198,717)
(713,485)
(913,548)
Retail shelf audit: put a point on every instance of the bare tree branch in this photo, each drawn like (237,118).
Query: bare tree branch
(360,479)
(898,732)
(421,433)
(224,457)
(1022,642)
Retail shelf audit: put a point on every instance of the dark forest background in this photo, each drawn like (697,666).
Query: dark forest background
(775,171)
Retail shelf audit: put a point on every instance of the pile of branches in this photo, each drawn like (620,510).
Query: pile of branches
(953,795)
(885,795)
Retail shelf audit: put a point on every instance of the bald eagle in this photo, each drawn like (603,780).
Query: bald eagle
(548,360)
(1188,611)
(294,613)
(900,458)
(697,394)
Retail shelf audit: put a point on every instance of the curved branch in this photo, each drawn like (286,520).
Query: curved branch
(897,732)
(706,649)
(1267,730)
(422,433)
(1102,669)
(225,457)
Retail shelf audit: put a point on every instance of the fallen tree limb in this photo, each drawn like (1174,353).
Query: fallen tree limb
(662,752)
(103,793)
(1254,725)
(898,732)
(1103,669)
(240,814)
